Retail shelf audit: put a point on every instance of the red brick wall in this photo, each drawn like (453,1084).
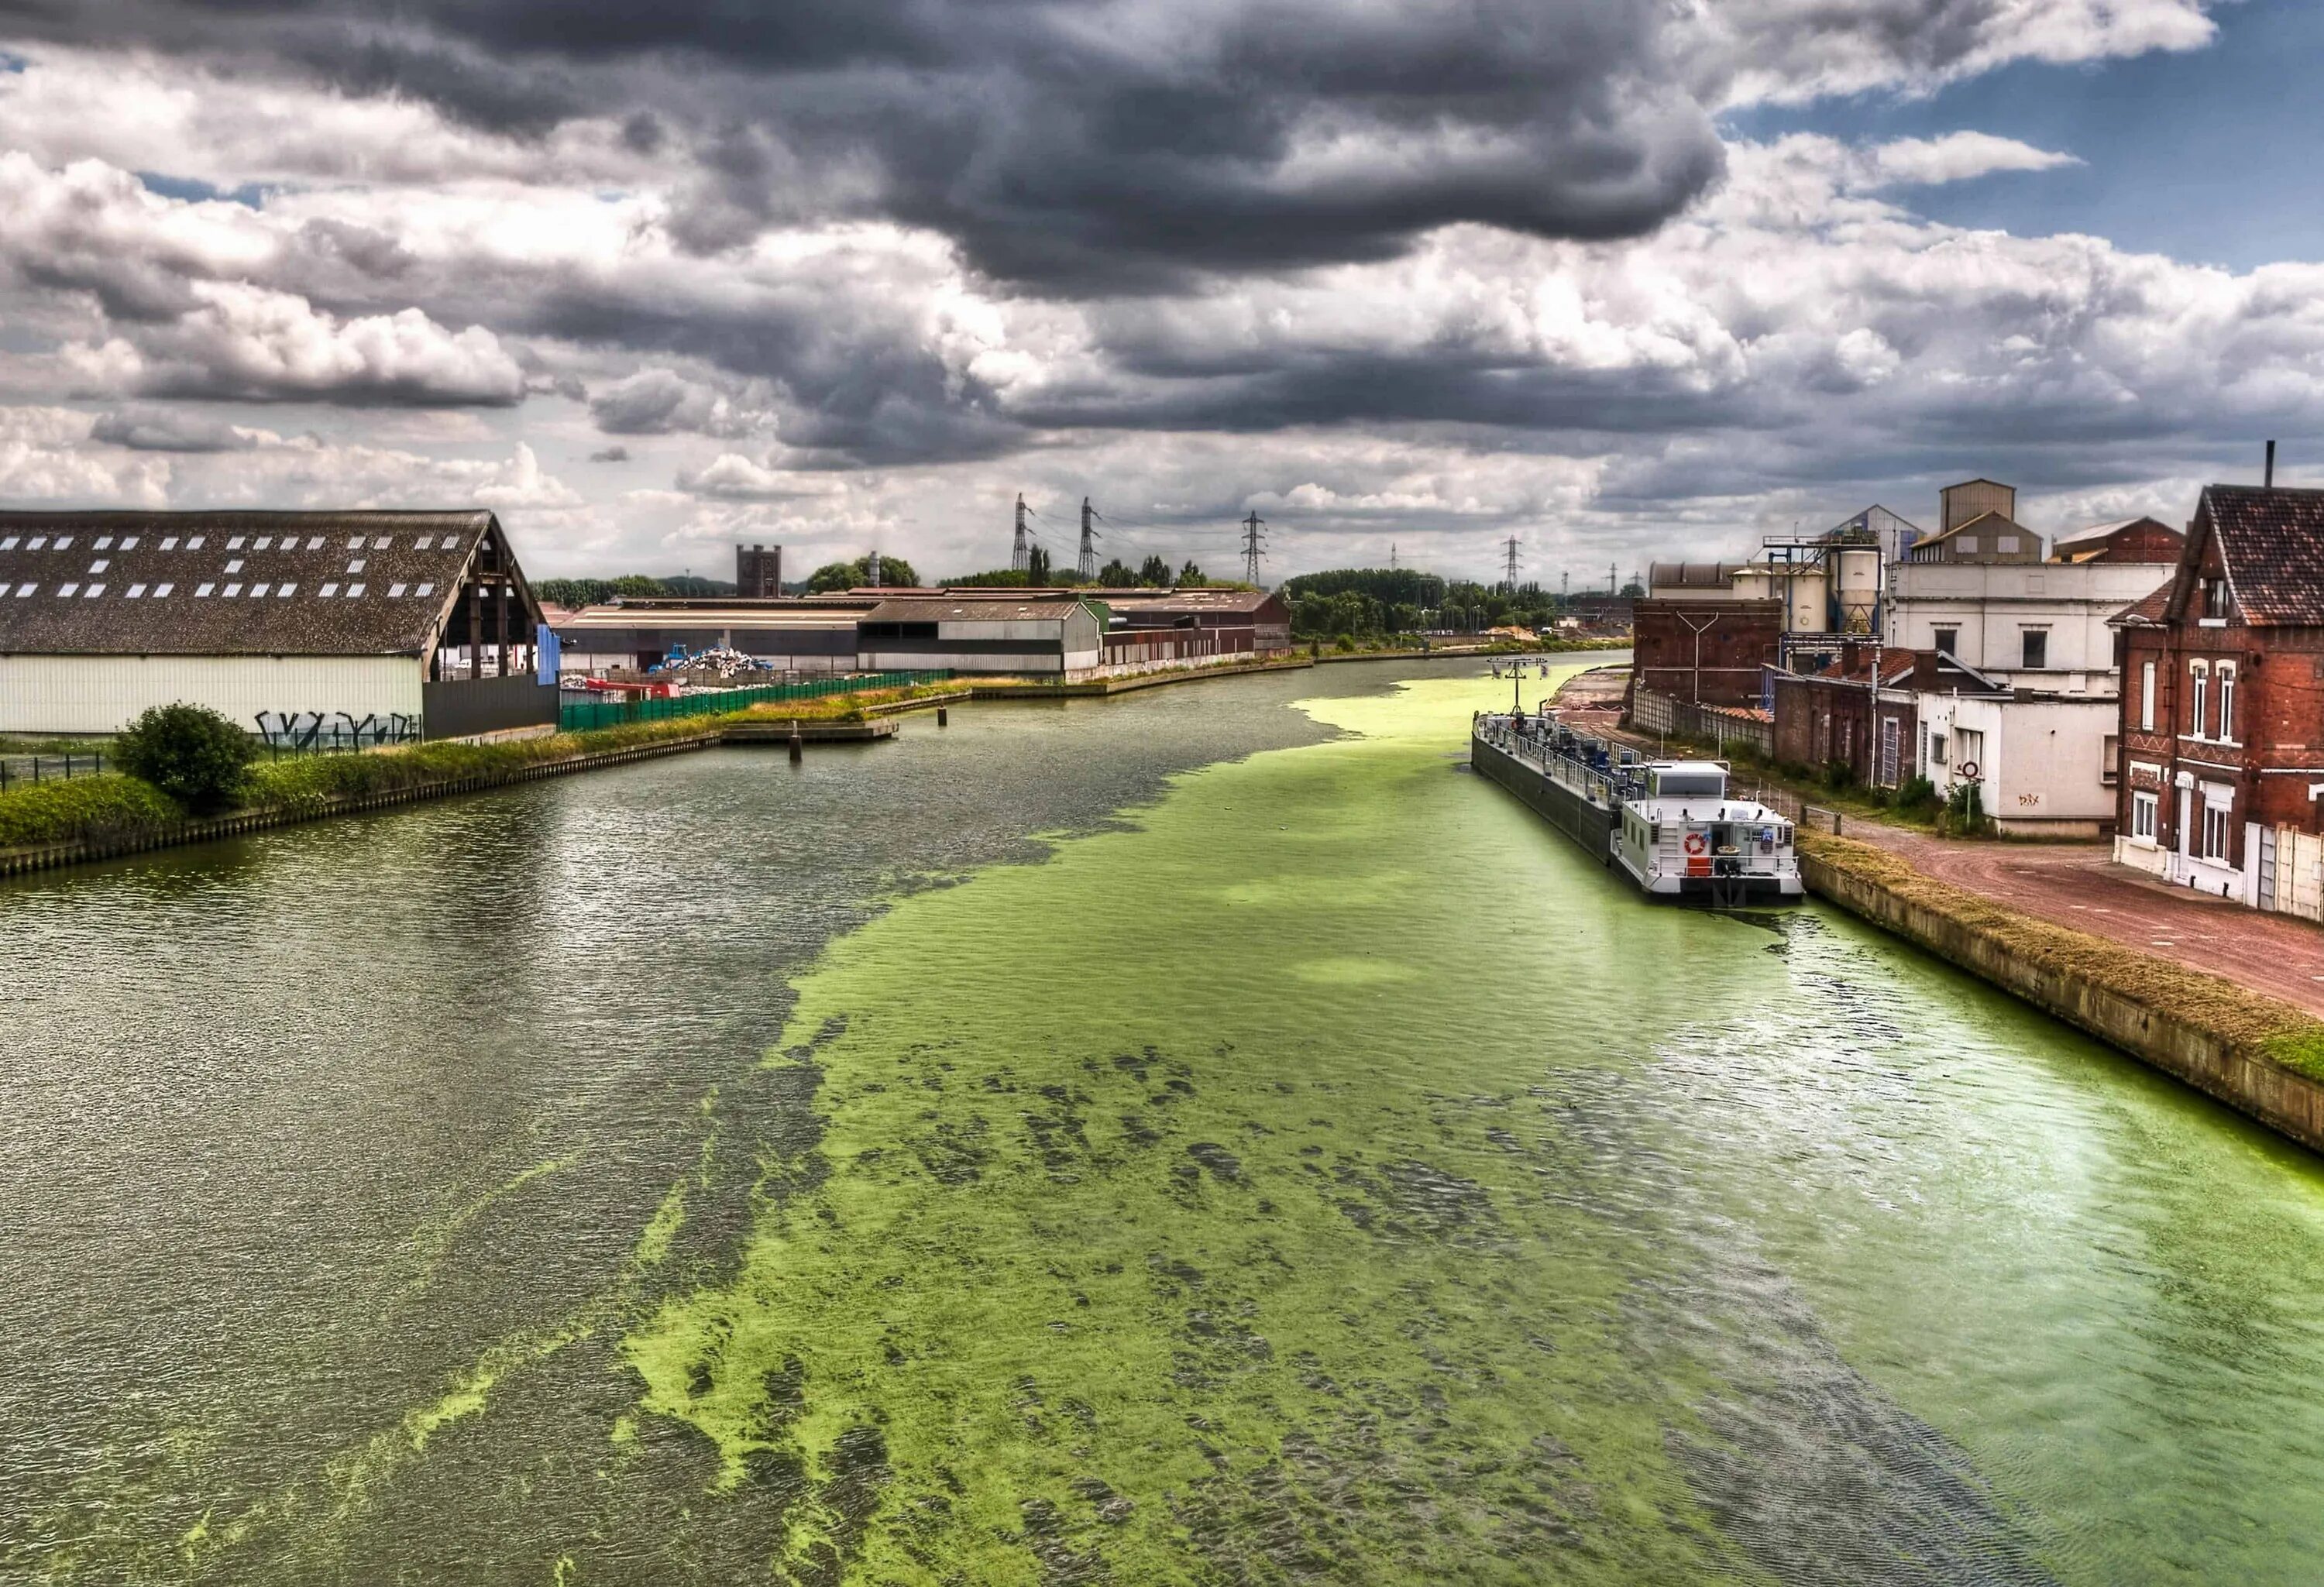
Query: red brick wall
(1821,720)
(1707,651)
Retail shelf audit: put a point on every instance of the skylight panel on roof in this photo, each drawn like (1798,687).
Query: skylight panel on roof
(66,589)
(92,591)
(105,542)
(235,543)
(133,591)
(355,589)
(203,589)
(63,540)
(25,589)
(129,542)
(425,589)
(194,544)
(262,543)
(379,544)
(233,590)
(314,542)
(423,542)
(394,590)
(354,543)
(355,564)
(100,564)
(162,591)
(329,590)
(36,542)
(233,565)
(169,543)
(8,543)
(256,590)
(286,589)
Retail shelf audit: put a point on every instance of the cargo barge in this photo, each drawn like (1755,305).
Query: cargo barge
(1666,824)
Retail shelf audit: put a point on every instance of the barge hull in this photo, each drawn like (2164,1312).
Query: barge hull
(1589,824)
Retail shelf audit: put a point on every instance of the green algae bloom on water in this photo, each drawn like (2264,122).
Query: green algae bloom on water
(1167,1213)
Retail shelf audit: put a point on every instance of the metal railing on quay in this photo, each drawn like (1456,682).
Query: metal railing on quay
(585,716)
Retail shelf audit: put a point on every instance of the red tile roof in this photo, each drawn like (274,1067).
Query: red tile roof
(2151,611)
(2273,543)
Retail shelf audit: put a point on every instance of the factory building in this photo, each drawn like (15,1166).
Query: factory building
(421,621)
(1044,637)
(814,636)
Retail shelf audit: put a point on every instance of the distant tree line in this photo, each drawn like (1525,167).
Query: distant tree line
(595,592)
(1376,602)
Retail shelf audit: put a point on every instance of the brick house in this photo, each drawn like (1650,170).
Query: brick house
(1705,651)
(1837,716)
(2222,722)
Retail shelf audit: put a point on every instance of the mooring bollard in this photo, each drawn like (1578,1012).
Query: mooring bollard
(941,718)
(797,746)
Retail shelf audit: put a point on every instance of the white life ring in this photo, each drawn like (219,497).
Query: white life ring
(1966,770)
(1695,843)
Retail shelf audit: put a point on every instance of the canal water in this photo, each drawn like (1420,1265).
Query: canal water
(1205,1136)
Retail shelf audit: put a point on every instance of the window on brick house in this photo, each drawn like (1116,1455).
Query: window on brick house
(2215,597)
(2199,696)
(2146,697)
(2228,702)
(2037,649)
(2145,807)
(2215,830)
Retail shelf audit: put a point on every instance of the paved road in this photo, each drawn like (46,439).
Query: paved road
(2079,885)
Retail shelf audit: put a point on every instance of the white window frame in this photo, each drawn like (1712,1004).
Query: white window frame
(2146,697)
(2218,832)
(2199,686)
(2226,673)
(2146,815)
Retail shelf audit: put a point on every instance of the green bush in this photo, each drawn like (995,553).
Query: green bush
(55,812)
(1838,776)
(1917,792)
(190,752)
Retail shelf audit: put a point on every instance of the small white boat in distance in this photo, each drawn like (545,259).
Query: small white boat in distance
(1681,837)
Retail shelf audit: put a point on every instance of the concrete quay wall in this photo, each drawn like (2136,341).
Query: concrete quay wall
(2285,1102)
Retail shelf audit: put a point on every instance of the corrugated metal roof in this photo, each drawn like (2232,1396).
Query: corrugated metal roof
(229,584)
(923,609)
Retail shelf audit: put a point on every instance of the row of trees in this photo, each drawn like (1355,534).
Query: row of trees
(595,592)
(1372,602)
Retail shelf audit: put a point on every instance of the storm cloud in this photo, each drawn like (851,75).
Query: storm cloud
(1429,268)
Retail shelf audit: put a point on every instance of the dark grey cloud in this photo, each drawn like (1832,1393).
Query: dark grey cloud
(611,455)
(148,427)
(1067,148)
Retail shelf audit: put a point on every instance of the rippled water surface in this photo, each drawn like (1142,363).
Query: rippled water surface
(1206,1136)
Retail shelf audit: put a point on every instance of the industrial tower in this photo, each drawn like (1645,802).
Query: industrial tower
(1018,557)
(1088,563)
(1510,549)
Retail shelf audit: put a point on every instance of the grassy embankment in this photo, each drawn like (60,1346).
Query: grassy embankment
(117,805)
(2255,1025)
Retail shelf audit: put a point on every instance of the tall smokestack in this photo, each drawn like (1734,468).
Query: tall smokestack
(2271,465)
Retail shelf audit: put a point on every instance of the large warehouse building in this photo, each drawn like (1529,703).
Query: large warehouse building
(422,620)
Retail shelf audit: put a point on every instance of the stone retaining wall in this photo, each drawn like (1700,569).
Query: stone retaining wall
(2290,1103)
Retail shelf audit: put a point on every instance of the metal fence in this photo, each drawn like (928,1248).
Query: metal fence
(581,715)
(57,768)
(1658,712)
